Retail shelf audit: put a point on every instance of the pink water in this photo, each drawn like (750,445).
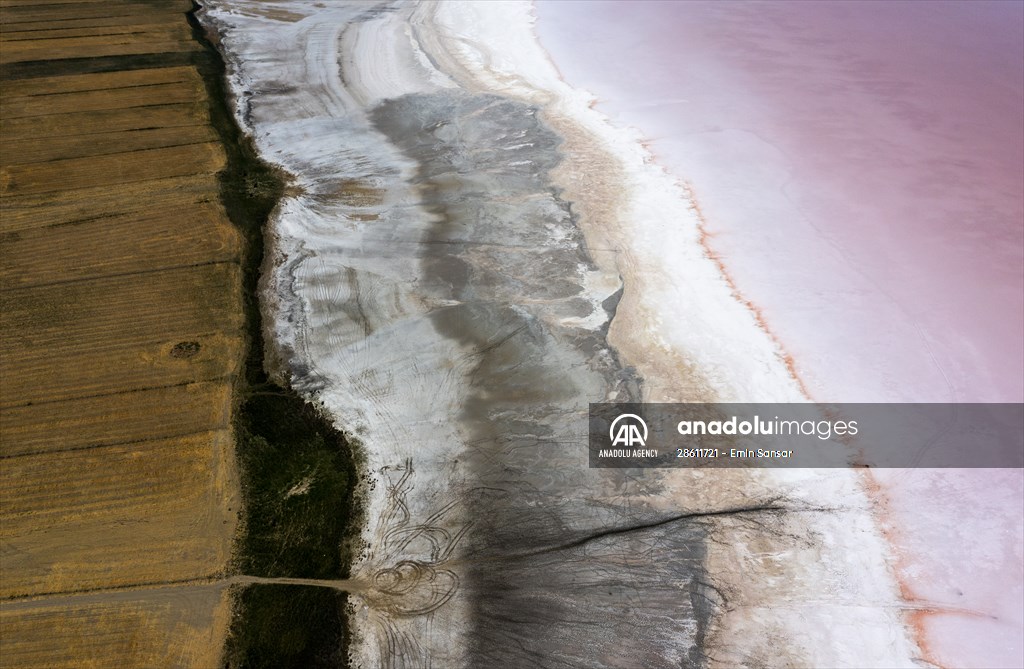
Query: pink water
(861,169)
(860,164)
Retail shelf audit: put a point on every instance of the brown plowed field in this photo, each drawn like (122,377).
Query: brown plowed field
(121,334)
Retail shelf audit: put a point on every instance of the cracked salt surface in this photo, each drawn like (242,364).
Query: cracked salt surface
(444,286)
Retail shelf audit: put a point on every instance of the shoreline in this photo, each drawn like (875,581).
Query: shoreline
(276,430)
(368,314)
(861,514)
(716,137)
(368,321)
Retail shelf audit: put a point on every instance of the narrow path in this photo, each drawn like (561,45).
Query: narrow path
(178,588)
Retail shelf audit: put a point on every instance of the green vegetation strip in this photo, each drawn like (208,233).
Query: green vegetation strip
(298,472)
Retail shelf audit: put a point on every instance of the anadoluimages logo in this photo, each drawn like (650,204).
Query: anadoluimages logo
(628,430)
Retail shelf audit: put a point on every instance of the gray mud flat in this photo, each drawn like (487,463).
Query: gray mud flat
(552,575)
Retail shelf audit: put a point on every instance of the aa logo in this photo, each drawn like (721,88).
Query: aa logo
(628,430)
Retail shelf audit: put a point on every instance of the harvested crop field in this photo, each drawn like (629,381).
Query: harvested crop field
(123,337)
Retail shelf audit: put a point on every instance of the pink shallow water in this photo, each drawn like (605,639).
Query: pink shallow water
(861,169)
(957,537)
(860,166)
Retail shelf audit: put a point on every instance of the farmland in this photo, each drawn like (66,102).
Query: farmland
(123,340)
